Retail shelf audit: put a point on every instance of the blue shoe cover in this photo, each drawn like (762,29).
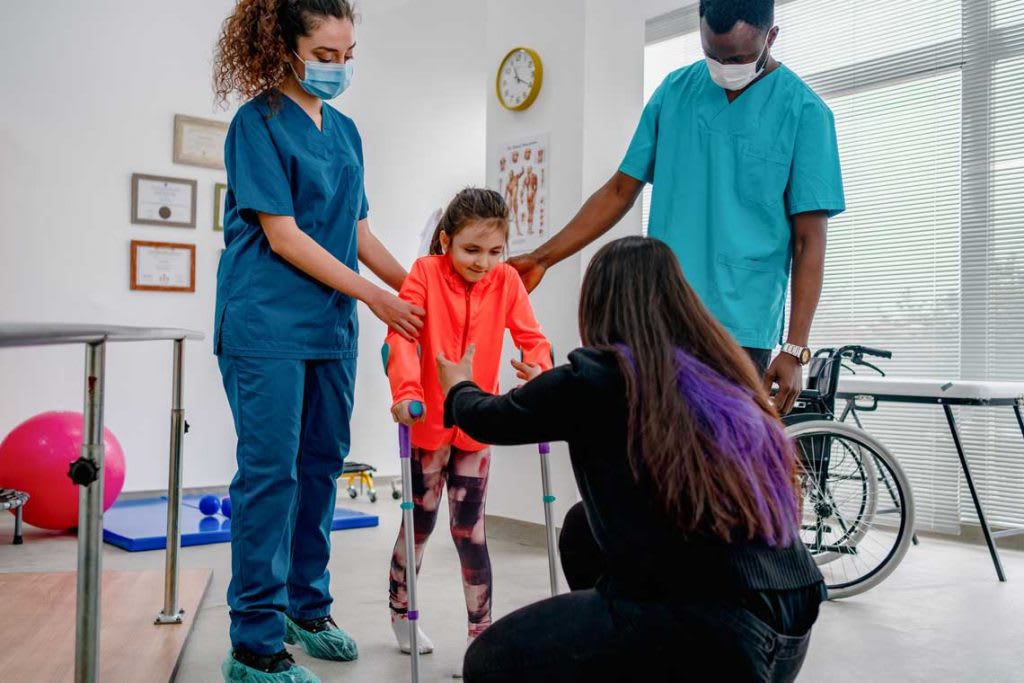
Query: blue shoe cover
(333,644)
(236,672)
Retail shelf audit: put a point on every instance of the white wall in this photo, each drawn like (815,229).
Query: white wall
(90,91)
(590,103)
(420,104)
(556,31)
(423,99)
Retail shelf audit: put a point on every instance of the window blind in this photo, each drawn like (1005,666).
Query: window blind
(928,260)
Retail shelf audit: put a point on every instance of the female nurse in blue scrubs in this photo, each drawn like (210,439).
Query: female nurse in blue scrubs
(285,327)
(744,163)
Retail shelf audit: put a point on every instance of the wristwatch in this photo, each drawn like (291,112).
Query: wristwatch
(801,353)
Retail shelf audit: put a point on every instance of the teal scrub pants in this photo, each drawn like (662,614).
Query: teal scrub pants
(292,420)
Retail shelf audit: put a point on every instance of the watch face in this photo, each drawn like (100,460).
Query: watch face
(518,75)
(805,356)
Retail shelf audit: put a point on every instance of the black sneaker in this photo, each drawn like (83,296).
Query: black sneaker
(317,625)
(271,664)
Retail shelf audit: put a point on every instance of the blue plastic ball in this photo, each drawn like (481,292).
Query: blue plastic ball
(225,507)
(209,505)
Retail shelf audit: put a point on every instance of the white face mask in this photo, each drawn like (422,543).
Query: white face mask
(736,76)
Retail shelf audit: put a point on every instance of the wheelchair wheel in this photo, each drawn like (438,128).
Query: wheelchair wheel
(858,510)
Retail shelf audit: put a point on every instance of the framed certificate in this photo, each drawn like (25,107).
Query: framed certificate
(199,142)
(157,200)
(220,198)
(163,266)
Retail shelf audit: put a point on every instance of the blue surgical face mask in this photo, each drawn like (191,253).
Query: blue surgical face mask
(325,81)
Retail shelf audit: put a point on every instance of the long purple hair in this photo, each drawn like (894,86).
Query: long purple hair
(739,436)
(702,431)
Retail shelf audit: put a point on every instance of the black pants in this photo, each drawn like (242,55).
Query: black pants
(761,357)
(586,637)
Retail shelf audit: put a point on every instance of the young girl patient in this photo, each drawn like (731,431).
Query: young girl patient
(471,298)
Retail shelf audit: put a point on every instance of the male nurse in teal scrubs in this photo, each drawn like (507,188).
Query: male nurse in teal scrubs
(744,164)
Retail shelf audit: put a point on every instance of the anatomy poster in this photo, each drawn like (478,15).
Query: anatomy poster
(523,181)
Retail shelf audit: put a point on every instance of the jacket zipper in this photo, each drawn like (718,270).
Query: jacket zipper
(465,330)
(456,432)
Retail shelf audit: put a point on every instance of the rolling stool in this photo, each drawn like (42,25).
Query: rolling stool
(13,500)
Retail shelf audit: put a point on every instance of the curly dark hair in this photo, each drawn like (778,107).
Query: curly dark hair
(469,205)
(255,38)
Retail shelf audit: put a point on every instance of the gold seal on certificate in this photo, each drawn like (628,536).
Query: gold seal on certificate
(163,266)
(199,142)
(157,200)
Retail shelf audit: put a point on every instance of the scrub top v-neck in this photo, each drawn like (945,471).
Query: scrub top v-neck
(727,178)
(278,162)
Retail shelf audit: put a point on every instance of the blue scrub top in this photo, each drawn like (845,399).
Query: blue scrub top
(727,177)
(278,162)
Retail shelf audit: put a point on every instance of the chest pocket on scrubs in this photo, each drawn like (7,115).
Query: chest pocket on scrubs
(762,176)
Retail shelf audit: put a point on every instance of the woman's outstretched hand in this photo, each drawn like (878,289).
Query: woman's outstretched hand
(526,371)
(451,373)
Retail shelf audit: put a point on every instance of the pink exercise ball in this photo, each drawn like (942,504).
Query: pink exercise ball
(35,458)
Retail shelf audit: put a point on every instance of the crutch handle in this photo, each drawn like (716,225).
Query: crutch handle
(404,433)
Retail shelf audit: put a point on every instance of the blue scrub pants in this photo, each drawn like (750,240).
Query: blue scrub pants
(292,420)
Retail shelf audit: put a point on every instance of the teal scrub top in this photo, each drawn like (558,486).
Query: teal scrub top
(279,163)
(726,179)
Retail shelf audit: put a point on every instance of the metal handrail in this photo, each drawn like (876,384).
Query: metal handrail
(87,470)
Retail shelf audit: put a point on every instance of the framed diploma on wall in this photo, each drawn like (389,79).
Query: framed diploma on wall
(220,199)
(163,267)
(157,200)
(199,142)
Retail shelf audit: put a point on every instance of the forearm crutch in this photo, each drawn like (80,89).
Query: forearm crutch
(544,450)
(408,529)
(413,615)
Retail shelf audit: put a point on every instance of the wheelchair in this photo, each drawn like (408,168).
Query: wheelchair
(858,509)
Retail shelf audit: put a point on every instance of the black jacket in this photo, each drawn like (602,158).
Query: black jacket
(646,554)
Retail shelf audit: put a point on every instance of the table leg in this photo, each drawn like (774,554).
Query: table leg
(955,432)
(90,522)
(171,614)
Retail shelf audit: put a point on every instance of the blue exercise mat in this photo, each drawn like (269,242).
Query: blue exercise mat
(142,524)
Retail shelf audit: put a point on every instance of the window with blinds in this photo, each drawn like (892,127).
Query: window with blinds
(928,260)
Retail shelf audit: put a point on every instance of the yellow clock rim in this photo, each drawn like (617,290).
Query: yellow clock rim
(538,79)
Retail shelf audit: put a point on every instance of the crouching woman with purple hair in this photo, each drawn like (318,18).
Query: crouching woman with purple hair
(684,557)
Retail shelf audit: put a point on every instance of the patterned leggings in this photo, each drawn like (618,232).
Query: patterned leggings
(466,476)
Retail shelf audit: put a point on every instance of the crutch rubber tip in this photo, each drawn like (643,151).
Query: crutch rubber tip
(412,615)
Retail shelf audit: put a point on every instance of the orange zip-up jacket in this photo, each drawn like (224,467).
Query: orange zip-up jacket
(459,315)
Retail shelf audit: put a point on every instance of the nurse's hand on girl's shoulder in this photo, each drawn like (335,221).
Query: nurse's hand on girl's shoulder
(400,413)
(399,315)
(526,371)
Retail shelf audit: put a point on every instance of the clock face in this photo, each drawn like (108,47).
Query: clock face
(517,79)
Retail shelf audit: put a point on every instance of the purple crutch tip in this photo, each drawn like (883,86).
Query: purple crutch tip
(544,448)
(404,441)
(413,615)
